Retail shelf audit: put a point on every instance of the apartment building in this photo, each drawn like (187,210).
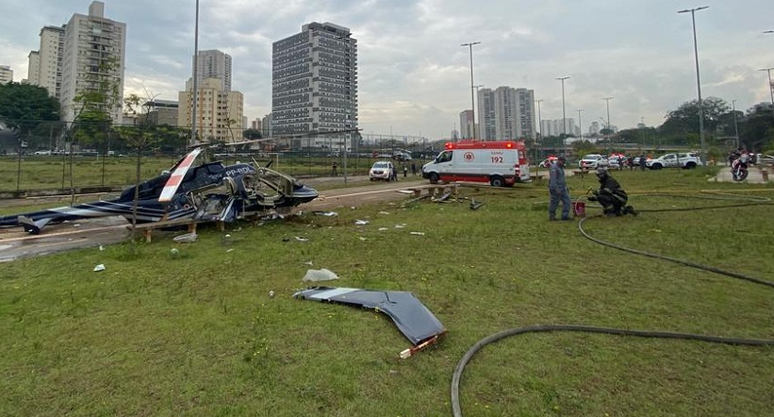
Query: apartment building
(314,83)
(214,64)
(6,74)
(219,113)
(506,113)
(45,65)
(93,55)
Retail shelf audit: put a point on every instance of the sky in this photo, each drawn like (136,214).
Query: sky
(413,73)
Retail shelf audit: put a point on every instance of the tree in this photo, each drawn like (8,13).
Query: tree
(251,134)
(685,119)
(23,107)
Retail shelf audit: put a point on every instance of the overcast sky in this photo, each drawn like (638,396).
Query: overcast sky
(414,77)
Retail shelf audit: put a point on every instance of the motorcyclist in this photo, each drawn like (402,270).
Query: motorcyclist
(611,196)
(740,161)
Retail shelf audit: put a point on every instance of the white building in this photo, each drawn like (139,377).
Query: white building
(506,113)
(218,112)
(266,126)
(45,65)
(467,124)
(6,74)
(93,53)
(214,64)
(554,127)
(314,84)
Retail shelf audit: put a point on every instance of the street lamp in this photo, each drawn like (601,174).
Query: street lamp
(607,102)
(472,96)
(736,127)
(479,113)
(698,81)
(564,115)
(540,126)
(195,77)
(580,124)
(771,87)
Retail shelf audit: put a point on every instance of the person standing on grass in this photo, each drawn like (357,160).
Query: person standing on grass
(413,168)
(557,188)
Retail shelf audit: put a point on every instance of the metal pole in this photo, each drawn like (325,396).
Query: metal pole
(736,128)
(472,87)
(540,126)
(580,124)
(195,91)
(607,100)
(771,87)
(564,115)
(698,82)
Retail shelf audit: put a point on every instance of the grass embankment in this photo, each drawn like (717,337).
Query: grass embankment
(197,334)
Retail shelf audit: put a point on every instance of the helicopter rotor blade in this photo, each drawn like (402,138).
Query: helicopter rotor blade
(174,181)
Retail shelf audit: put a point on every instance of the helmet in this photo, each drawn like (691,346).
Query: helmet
(601,171)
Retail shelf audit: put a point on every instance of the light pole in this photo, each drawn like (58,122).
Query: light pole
(479,113)
(607,103)
(580,124)
(472,94)
(736,127)
(564,114)
(195,77)
(771,87)
(698,81)
(540,126)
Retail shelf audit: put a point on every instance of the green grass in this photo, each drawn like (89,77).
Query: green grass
(196,334)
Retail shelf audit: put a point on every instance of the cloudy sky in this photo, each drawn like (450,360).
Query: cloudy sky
(414,77)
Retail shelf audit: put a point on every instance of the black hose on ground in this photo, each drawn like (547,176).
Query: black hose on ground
(457,376)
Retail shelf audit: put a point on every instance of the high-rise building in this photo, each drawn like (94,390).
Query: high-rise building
(45,64)
(487,123)
(314,82)
(219,109)
(266,126)
(214,64)
(218,112)
(93,55)
(6,74)
(467,124)
(506,113)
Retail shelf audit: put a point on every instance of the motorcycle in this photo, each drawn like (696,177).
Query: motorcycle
(739,167)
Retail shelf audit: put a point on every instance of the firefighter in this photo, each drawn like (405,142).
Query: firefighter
(611,196)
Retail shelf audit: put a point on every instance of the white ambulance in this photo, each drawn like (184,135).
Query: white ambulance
(500,163)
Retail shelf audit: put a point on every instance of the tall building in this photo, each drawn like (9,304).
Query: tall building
(218,112)
(487,123)
(45,64)
(6,74)
(214,64)
(314,82)
(266,130)
(506,113)
(162,112)
(219,109)
(467,124)
(93,53)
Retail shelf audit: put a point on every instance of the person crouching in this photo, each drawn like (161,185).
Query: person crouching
(611,196)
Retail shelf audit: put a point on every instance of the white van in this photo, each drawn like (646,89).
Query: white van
(499,163)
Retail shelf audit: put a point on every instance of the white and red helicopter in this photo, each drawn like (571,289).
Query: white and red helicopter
(211,191)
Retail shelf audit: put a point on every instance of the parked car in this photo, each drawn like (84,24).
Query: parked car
(592,161)
(764,160)
(380,170)
(687,160)
(42,152)
(546,163)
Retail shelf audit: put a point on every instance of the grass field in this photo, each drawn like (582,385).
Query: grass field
(197,335)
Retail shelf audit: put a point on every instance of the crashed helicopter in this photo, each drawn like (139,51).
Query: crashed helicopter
(211,191)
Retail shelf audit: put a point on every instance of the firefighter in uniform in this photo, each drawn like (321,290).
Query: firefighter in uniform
(611,196)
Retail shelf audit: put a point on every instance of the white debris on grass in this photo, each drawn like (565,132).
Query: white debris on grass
(381,229)
(418,233)
(361,222)
(400,226)
(319,275)
(302,239)
(100,267)
(186,238)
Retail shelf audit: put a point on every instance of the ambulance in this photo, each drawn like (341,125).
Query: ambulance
(499,163)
